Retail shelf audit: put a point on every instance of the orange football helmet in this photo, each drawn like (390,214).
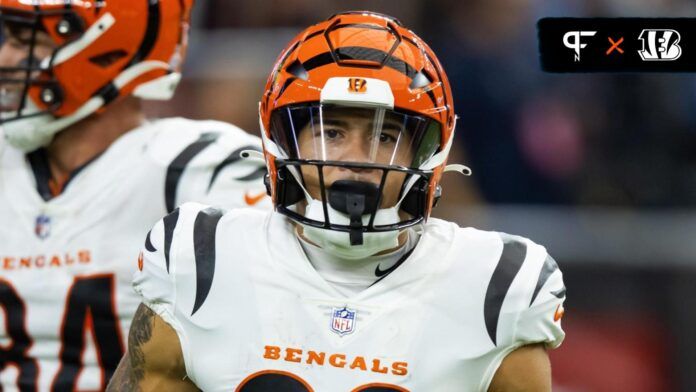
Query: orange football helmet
(365,64)
(104,50)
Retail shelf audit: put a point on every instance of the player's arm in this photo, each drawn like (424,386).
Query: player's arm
(536,301)
(154,360)
(526,369)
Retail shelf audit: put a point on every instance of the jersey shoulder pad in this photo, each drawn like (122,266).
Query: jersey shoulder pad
(524,298)
(178,259)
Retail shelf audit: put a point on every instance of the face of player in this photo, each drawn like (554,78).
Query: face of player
(15,47)
(358,136)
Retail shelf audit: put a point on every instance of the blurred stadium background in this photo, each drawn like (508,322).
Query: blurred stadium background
(600,168)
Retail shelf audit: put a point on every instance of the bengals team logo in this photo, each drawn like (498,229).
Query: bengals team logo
(357,85)
(660,45)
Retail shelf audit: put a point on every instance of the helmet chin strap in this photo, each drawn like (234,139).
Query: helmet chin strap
(30,133)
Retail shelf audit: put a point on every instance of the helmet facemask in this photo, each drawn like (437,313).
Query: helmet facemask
(351,175)
(29,78)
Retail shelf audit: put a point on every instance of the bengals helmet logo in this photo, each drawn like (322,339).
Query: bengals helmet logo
(357,85)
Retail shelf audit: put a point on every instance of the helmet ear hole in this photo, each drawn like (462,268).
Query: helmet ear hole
(69,26)
(51,95)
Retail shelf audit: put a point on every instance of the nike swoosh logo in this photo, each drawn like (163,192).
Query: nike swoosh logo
(381,274)
(255,199)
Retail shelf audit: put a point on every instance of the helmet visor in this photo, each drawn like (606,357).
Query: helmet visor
(380,136)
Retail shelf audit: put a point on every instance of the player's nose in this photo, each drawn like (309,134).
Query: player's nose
(356,149)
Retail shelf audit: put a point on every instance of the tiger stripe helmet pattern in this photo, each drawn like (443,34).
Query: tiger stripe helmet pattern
(360,44)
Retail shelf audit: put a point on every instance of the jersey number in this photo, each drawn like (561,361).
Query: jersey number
(89,306)
(276,380)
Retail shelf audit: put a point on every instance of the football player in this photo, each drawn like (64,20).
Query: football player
(347,286)
(83,176)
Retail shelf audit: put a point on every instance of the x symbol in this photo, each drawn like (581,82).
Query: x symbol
(615,45)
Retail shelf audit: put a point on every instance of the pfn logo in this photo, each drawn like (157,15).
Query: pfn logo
(575,44)
(660,45)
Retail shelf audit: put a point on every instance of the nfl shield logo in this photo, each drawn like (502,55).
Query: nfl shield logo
(42,229)
(343,320)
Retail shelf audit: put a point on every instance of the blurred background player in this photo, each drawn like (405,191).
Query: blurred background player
(83,175)
(348,285)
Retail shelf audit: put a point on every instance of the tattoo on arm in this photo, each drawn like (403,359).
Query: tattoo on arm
(131,370)
(140,333)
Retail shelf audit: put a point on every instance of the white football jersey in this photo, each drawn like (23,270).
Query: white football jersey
(253,315)
(66,264)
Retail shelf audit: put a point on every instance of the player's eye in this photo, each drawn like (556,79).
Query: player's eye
(386,138)
(328,133)
(17,37)
(331,133)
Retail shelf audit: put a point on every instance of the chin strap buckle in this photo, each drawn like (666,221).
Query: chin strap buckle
(355,205)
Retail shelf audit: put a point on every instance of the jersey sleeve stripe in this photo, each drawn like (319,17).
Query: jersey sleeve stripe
(148,243)
(546,270)
(231,159)
(256,174)
(169,225)
(176,168)
(204,251)
(560,293)
(510,263)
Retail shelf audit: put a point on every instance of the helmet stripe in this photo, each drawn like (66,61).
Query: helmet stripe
(361,53)
(151,33)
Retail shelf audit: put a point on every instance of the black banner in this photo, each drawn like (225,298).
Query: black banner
(617,44)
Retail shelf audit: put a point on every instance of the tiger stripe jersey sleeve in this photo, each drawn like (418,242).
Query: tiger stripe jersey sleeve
(203,163)
(540,320)
(166,277)
(153,279)
(523,301)
(177,265)
(527,291)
